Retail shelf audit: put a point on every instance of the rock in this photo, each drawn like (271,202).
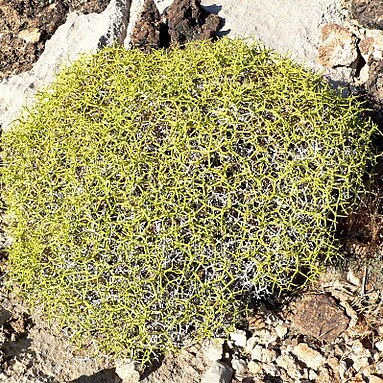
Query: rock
(127,372)
(271,369)
(30,35)
(343,368)
(379,346)
(310,357)
(287,362)
(312,375)
(264,336)
(374,84)
(326,375)
(369,13)
(360,363)
(148,28)
(281,331)
(80,33)
(187,21)
(262,354)
(219,372)
(319,316)
(240,367)
(338,47)
(239,338)
(254,367)
(372,45)
(180,22)
(250,344)
(213,349)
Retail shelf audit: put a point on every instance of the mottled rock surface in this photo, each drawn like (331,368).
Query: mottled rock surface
(319,316)
(369,13)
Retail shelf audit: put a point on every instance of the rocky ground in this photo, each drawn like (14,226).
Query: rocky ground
(331,332)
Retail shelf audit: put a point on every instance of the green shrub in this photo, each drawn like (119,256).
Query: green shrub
(151,196)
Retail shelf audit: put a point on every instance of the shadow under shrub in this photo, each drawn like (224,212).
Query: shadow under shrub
(152,195)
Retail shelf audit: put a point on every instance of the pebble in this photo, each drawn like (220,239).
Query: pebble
(254,367)
(127,372)
(379,346)
(213,349)
(240,366)
(288,363)
(281,331)
(312,358)
(343,369)
(239,338)
(263,354)
(250,344)
(264,336)
(360,363)
(219,372)
(271,369)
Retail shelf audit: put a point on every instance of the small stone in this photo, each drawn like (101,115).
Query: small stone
(326,375)
(219,372)
(312,375)
(281,331)
(379,368)
(30,35)
(271,369)
(379,345)
(213,349)
(127,372)
(147,30)
(343,368)
(250,344)
(338,46)
(312,358)
(360,363)
(239,338)
(288,363)
(264,336)
(239,366)
(263,354)
(254,367)
(359,350)
(319,316)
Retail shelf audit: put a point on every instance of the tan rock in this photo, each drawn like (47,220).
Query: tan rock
(30,35)
(254,367)
(338,46)
(127,372)
(325,375)
(287,362)
(312,358)
(262,354)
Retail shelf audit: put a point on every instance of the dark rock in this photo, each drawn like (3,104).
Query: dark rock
(19,17)
(188,21)
(147,30)
(368,13)
(319,316)
(183,21)
(374,84)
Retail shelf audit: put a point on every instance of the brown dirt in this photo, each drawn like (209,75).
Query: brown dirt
(25,26)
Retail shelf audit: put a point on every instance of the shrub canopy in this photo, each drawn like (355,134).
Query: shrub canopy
(152,195)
